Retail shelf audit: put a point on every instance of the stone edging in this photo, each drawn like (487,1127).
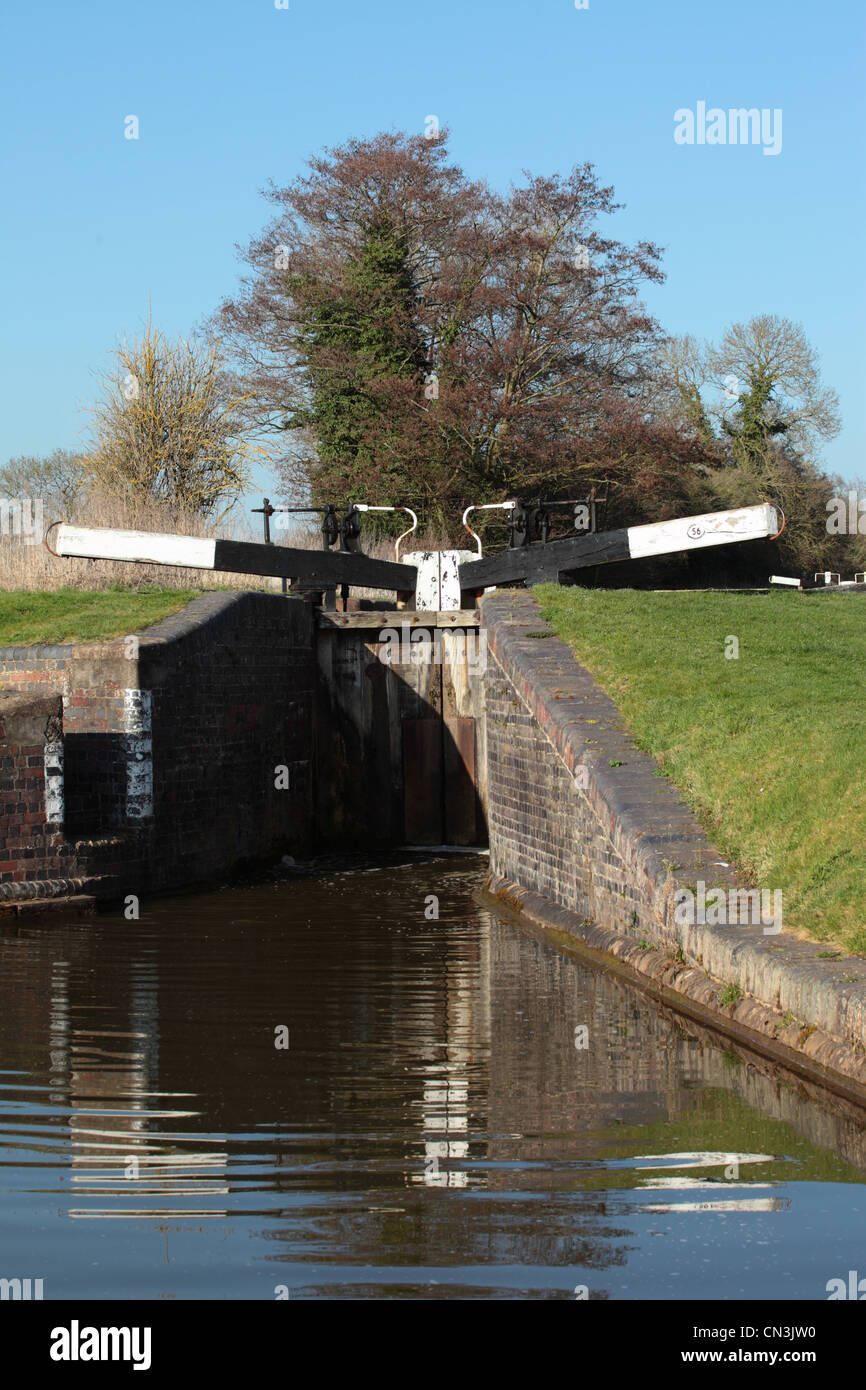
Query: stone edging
(689,990)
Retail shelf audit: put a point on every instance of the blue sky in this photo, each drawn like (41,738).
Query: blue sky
(232,93)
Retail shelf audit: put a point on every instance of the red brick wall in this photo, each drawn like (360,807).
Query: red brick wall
(30,848)
(231,681)
(576,812)
(38,670)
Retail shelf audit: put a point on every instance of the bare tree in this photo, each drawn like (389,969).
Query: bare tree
(60,479)
(169,426)
(682,374)
(771,383)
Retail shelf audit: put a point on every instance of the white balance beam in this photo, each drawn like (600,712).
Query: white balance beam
(695,532)
(141,547)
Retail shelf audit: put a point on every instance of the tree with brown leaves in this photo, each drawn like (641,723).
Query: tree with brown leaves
(422,339)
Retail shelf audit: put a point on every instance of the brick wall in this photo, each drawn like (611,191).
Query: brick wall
(31,844)
(39,670)
(596,838)
(232,680)
(172,743)
(587,841)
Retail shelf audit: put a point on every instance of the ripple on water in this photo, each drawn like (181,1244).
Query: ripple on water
(311,1087)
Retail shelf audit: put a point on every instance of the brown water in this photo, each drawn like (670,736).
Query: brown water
(433,1129)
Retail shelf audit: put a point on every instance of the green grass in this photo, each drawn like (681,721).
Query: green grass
(730,995)
(768,749)
(29,617)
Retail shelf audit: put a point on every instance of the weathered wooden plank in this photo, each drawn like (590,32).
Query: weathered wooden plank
(393,618)
(138,547)
(422,781)
(315,568)
(458,759)
(697,532)
(535,564)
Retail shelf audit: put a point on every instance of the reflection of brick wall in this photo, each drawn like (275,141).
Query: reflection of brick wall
(632,1066)
(172,742)
(576,812)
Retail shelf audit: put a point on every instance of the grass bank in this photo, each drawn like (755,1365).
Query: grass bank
(28,617)
(767,746)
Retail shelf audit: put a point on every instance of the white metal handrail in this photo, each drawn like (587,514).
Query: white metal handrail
(485,507)
(366,507)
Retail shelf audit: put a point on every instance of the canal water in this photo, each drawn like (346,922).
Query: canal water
(318,1088)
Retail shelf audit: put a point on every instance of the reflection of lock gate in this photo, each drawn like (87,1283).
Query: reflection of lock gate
(429,580)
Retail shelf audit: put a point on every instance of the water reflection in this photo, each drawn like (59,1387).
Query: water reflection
(461,1112)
